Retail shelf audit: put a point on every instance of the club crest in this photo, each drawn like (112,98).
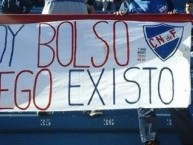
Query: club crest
(163,39)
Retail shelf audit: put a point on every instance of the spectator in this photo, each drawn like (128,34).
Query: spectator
(181,117)
(16,6)
(189,7)
(189,10)
(118,4)
(90,6)
(99,5)
(109,5)
(70,7)
(65,7)
(105,5)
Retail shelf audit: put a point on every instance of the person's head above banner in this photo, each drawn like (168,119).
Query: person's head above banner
(189,7)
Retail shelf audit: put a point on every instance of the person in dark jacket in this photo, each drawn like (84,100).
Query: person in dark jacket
(90,6)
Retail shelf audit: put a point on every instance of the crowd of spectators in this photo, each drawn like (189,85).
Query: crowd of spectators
(99,6)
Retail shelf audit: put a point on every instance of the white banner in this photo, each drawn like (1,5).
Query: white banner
(94,64)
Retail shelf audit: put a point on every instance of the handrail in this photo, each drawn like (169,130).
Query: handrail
(34,18)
